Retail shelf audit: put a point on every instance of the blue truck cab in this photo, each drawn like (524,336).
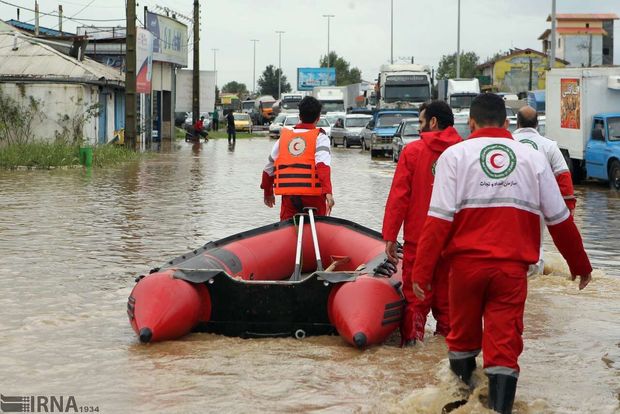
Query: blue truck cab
(381,129)
(602,153)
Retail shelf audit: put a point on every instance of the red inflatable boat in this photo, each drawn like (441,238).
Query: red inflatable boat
(270,282)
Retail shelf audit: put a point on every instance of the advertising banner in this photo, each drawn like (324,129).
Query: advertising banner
(144,60)
(308,78)
(170,39)
(570,114)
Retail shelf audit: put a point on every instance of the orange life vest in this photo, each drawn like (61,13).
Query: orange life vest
(295,167)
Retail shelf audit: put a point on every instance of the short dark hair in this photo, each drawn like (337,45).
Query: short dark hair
(527,121)
(309,109)
(439,110)
(488,110)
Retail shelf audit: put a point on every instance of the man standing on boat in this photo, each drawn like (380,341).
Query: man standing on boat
(408,203)
(484,217)
(299,166)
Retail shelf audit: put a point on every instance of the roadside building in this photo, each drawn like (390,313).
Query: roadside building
(77,97)
(583,39)
(520,70)
(157,102)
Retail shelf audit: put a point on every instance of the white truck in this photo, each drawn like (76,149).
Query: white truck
(583,117)
(458,93)
(332,98)
(403,86)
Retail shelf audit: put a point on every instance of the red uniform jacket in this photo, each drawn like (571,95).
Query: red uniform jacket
(412,185)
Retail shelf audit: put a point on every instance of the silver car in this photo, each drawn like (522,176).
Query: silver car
(348,129)
(407,132)
(276,125)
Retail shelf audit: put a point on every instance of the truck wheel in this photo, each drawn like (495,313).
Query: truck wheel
(614,175)
(373,153)
(575,169)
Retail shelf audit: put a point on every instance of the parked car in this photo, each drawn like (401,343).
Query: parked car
(407,132)
(243,122)
(276,125)
(347,130)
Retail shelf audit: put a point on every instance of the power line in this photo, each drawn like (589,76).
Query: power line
(55,14)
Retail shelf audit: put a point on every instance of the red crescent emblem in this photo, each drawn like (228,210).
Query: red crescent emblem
(295,146)
(492,161)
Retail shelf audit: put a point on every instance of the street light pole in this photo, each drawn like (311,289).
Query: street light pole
(551,62)
(254,68)
(279,32)
(392,32)
(329,16)
(215,64)
(458,43)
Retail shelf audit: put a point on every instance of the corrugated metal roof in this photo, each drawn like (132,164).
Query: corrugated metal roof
(43,30)
(37,61)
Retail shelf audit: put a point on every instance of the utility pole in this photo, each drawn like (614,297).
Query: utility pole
(329,16)
(196,65)
(392,32)
(458,43)
(590,51)
(130,77)
(36,18)
(60,18)
(254,68)
(531,73)
(551,60)
(279,32)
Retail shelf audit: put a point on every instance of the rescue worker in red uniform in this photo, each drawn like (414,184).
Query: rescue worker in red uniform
(484,217)
(299,166)
(408,202)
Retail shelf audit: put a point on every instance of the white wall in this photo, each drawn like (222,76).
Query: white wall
(58,100)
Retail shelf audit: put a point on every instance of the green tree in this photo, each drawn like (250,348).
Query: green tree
(345,74)
(235,87)
(447,66)
(268,82)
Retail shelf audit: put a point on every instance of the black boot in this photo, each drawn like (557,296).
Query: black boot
(502,389)
(463,368)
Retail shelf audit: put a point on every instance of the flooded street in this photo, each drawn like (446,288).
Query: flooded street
(71,242)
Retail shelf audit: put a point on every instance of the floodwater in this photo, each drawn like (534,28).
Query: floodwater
(71,242)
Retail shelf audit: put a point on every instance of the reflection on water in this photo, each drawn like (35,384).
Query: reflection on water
(72,241)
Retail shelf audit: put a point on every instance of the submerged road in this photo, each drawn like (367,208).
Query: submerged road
(71,242)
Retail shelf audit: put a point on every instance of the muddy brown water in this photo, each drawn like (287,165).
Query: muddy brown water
(72,241)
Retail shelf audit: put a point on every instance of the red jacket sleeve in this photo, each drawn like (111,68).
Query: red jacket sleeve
(567,239)
(398,199)
(267,184)
(324,173)
(565,182)
(432,241)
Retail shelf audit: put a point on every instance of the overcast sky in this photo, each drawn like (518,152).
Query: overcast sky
(360,30)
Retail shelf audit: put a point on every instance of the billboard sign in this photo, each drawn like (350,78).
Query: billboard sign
(170,39)
(570,116)
(308,78)
(144,60)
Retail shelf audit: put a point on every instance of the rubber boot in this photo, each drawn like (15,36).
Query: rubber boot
(463,368)
(502,390)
